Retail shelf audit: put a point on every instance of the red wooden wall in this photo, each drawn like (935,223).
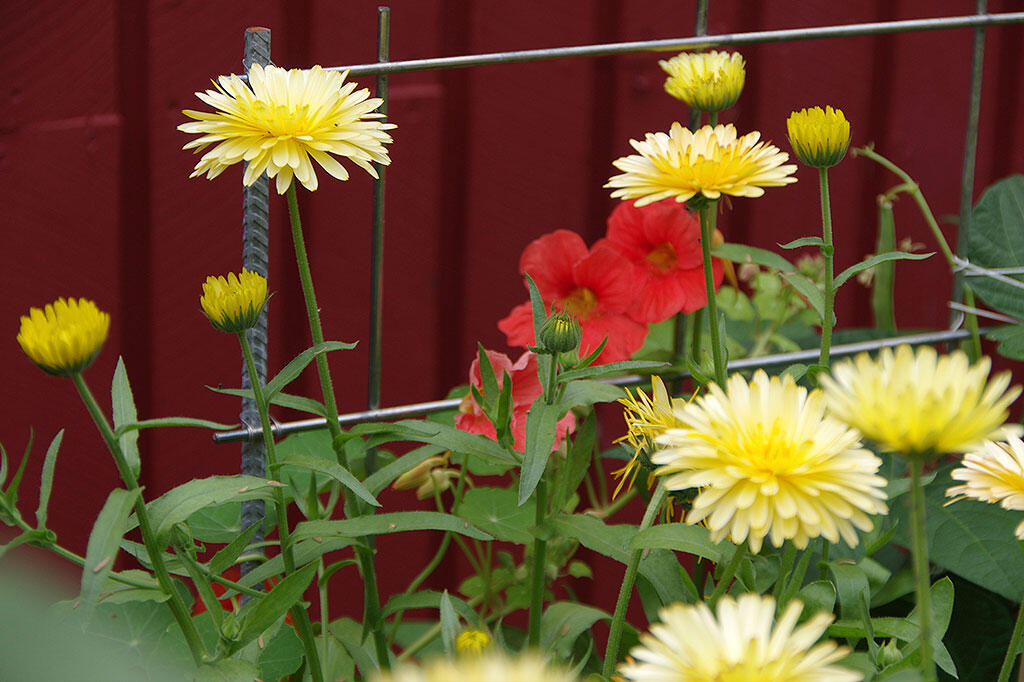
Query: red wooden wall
(97,200)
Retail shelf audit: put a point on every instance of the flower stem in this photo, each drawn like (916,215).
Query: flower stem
(827,250)
(299,614)
(920,563)
(363,551)
(727,575)
(537,571)
(1011,651)
(611,654)
(181,614)
(717,352)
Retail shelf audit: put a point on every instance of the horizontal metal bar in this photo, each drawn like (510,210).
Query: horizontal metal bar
(402,411)
(689,43)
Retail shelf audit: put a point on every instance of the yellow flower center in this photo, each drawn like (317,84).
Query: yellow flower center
(281,120)
(662,258)
(579,303)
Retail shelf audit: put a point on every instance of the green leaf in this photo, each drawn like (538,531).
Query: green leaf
(383,477)
(124,412)
(994,242)
(803,241)
(584,392)
(819,595)
(227,670)
(350,634)
(612,369)
(178,504)
(563,622)
(427,599)
(304,552)
(380,524)
(282,655)
(104,541)
(487,378)
(46,481)
(335,471)
(294,402)
(495,511)
(875,260)
(227,556)
(680,537)
(449,624)
(443,435)
(170,421)
(220,522)
(808,290)
(541,421)
(260,614)
(12,489)
(1011,341)
(741,253)
(294,368)
(577,463)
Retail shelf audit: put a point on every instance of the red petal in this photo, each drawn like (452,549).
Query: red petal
(549,260)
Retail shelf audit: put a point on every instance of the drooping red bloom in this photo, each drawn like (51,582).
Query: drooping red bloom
(525,389)
(596,285)
(662,242)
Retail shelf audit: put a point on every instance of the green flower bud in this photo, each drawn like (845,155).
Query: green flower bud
(561,333)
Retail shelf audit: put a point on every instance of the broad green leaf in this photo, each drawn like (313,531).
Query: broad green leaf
(577,463)
(994,241)
(586,392)
(875,260)
(170,421)
(124,412)
(294,402)
(350,634)
(741,253)
(443,435)
(221,522)
(449,624)
(115,592)
(563,622)
(383,477)
(335,471)
(180,503)
(1011,340)
(294,368)
(803,241)
(854,595)
(816,596)
(260,614)
(541,421)
(680,537)
(612,369)
(228,670)
(46,481)
(428,599)
(808,290)
(495,511)
(104,541)
(282,655)
(380,524)
(132,631)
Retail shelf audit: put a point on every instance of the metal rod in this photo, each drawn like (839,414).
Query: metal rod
(403,411)
(689,43)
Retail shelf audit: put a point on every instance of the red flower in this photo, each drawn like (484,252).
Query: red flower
(662,241)
(525,389)
(596,286)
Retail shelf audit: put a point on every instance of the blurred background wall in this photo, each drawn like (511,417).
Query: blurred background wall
(97,200)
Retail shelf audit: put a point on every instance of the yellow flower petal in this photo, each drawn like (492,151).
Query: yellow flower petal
(233,303)
(707,81)
(64,337)
(819,137)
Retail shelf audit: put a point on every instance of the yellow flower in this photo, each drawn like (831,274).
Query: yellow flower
(993,474)
(708,81)
(281,120)
(710,162)
(491,666)
(742,642)
(233,304)
(646,419)
(64,337)
(921,404)
(769,463)
(819,138)
(472,642)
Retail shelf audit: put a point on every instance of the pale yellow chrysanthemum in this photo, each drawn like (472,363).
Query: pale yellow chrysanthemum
(769,463)
(283,120)
(65,337)
(993,474)
(921,403)
(472,642)
(710,162)
(647,417)
(491,666)
(233,304)
(741,642)
(819,137)
(708,81)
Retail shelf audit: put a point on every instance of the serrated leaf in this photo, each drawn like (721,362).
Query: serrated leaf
(123,407)
(875,260)
(335,471)
(46,480)
(294,368)
(104,541)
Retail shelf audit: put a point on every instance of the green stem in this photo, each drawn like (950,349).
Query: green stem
(796,580)
(920,563)
(722,586)
(1011,651)
(827,250)
(299,614)
(697,329)
(363,551)
(788,557)
(611,654)
(537,571)
(181,614)
(431,566)
(706,231)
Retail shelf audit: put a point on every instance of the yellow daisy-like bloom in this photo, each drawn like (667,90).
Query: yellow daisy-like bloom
(708,81)
(921,404)
(647,417)
(769,463)
(65,337)
(710,162)
(233,304)
(472,642)
(741,642)
(993,474)
(491,666)
(283,120)
(819,137)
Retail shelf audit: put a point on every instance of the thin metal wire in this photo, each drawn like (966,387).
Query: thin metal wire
(689,43)
(415,409)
